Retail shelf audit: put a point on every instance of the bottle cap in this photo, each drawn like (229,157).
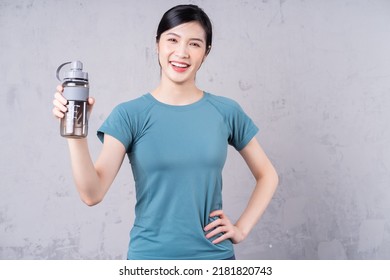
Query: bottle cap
(76,71)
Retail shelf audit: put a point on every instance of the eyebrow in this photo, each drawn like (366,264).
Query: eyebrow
(192,39)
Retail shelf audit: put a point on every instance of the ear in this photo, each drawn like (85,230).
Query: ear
(204,58)
(207,52)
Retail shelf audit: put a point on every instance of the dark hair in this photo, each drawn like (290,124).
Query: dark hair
(182,14)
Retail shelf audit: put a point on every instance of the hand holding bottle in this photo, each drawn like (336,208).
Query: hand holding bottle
(73,101)
(60,103)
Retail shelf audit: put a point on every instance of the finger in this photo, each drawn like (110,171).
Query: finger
(220,239)
(216,223)
(57,104)
(213,224)
(91,101)
(217,213)
(226,234)
(58,96)
(57,113)
(216,231)
(60,88)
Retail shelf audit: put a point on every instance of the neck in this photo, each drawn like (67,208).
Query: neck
(177,94)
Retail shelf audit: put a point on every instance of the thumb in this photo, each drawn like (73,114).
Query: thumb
(91,102)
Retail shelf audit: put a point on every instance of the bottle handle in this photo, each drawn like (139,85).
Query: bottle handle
(59,69)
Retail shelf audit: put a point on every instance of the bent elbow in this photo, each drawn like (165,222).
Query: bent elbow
(276,178)
(90,202)
(270,178)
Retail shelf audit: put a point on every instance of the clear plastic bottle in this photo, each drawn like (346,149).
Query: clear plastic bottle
(76,90)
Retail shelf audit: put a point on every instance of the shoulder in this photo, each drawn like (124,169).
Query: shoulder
(133,107)
(224,104)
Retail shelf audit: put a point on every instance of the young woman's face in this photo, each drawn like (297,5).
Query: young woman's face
(181,51)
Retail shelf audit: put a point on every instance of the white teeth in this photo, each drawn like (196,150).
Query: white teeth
(179,65)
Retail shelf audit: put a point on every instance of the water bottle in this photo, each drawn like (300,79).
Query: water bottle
(76,90)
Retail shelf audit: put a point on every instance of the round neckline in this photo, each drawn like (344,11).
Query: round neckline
(178,107)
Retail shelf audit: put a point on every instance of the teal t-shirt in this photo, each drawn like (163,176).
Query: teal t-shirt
(177,154)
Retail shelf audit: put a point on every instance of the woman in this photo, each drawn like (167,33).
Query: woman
(176,139)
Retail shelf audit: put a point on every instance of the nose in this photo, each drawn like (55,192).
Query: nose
(181,51)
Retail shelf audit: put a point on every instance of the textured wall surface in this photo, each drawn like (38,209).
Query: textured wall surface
(314,75)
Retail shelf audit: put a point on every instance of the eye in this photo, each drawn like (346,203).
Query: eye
(173,40)
(195,44)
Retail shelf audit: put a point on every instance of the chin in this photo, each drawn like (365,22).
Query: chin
(182,80)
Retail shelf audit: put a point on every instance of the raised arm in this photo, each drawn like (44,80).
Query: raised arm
(92,180)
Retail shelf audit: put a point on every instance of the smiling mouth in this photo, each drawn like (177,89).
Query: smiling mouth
(179,65)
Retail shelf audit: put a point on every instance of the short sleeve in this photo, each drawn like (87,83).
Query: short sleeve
(117,125)
(242,128)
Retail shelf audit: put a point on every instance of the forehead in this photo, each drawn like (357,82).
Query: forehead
(191,29)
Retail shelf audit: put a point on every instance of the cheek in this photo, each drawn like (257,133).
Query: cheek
(161,56)
(200,58)
(164,48)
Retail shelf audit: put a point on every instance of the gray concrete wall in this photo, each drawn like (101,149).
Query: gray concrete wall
(314,75)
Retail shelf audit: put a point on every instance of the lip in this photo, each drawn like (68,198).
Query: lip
(178,68)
